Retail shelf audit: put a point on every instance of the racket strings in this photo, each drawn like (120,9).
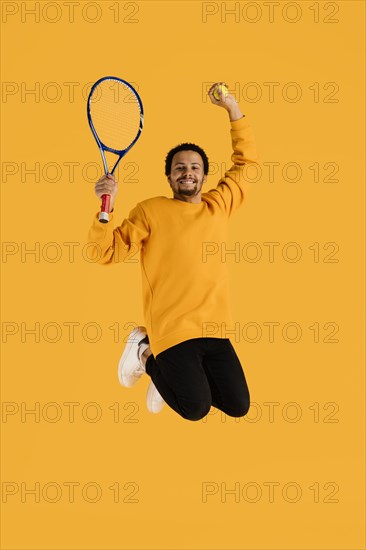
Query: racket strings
(115,112)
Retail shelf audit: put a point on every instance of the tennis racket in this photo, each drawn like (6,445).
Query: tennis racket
(116,118)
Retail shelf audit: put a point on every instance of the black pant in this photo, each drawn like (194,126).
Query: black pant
(195,374)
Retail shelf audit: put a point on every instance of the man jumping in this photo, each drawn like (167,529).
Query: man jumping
(185,288)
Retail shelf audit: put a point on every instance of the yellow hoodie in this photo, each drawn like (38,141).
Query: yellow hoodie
(185,282)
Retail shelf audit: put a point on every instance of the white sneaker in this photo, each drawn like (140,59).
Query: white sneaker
(154,400)
(130,367)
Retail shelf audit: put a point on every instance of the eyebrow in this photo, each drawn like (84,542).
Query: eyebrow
(180,162)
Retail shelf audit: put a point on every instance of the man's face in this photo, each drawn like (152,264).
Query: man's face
(186,176)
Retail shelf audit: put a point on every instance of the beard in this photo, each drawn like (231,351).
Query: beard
(189,190)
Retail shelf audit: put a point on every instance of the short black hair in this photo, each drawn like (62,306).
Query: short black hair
(185,147)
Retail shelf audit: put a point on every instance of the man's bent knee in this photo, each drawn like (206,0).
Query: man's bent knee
(196,412)
(240,409)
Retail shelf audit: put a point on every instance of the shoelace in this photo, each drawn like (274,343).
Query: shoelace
(140,369)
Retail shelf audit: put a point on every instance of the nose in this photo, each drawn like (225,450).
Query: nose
(187,172)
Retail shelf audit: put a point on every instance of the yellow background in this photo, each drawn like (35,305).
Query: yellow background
(170,53)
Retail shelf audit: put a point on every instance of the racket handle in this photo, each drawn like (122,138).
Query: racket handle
(104,211)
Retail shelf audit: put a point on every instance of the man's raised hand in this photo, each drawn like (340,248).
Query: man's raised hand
(228,102)
(107,185)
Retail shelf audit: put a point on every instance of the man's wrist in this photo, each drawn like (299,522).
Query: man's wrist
(235,114)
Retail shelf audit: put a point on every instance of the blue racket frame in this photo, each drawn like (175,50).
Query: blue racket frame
(101,145)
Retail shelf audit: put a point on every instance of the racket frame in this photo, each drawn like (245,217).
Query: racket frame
(104,213)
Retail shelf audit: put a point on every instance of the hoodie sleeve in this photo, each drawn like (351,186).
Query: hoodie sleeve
(231,191)
(114,245)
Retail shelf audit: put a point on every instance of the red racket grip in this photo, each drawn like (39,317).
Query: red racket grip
(104,211)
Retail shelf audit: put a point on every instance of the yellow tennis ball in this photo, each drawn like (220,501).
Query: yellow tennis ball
(223,90)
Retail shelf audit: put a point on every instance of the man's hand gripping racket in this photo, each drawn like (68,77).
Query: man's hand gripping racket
(116,118)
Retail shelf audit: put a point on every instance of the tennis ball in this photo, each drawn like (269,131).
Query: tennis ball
(223,90)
